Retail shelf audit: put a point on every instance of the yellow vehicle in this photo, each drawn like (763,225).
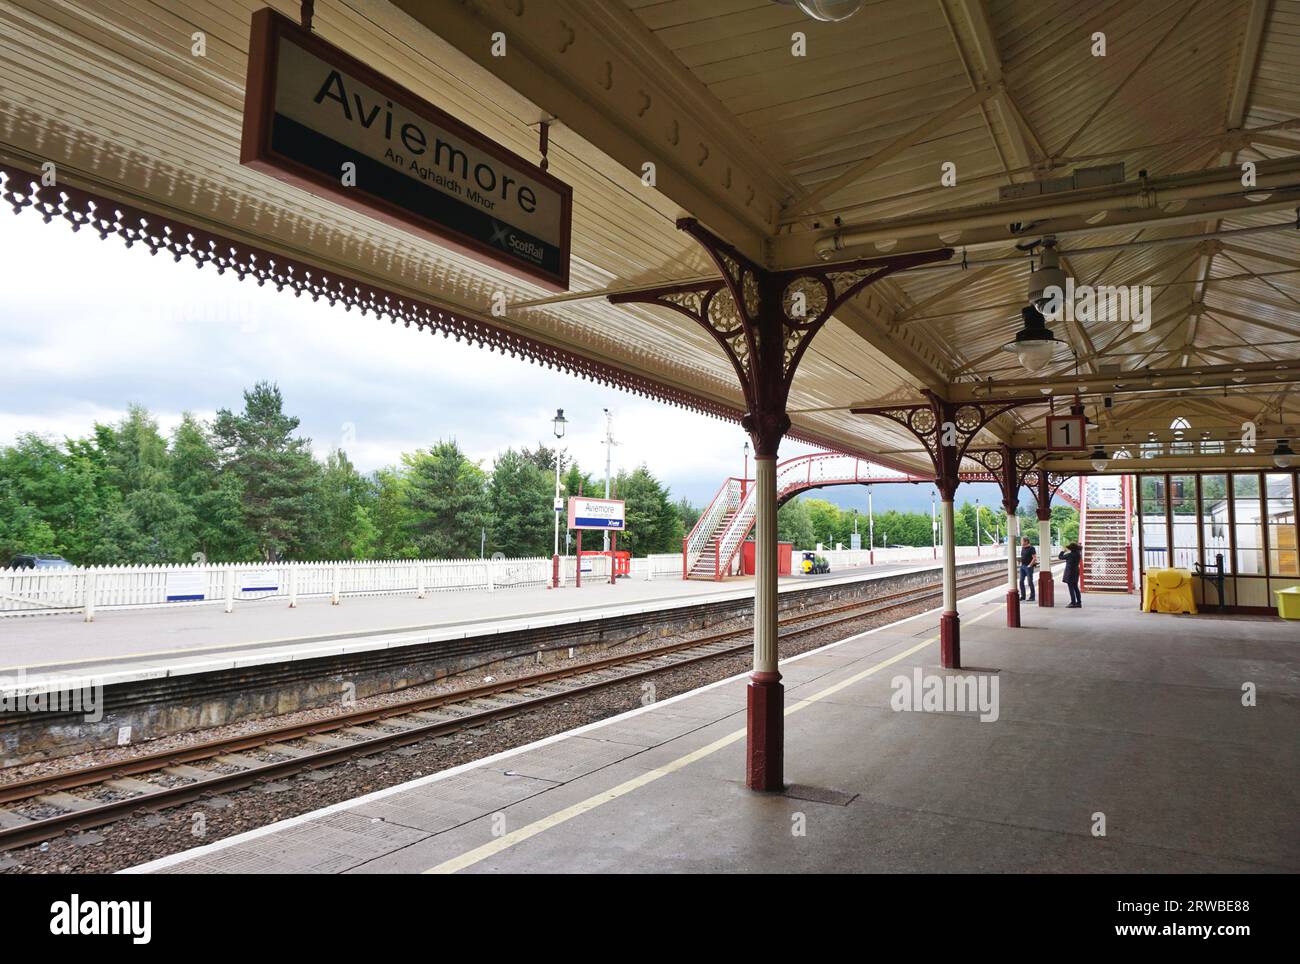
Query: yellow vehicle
(813,563)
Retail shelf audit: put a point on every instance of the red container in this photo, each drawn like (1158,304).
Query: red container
(784,550)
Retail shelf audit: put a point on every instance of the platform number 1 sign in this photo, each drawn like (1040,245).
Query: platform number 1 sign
(1066,433)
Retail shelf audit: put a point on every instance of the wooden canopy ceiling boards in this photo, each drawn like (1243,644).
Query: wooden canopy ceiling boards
(767,150)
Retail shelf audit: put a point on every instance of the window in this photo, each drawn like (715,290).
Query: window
(1214,519)
(1185,520)
(1249,527)
(1280,511)
(1155,553)
(1180,445)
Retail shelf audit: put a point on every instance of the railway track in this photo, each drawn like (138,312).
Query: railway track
(42,807)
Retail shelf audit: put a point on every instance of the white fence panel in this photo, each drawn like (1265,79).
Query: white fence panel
(119,587)
(658,566)
(854,558)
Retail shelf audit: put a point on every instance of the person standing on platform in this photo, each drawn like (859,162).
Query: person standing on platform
(1073,556)
(1028,556)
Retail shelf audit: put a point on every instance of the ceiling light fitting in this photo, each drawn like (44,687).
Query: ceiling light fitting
(1034,344)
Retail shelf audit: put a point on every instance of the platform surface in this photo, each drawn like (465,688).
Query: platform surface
(1101,711)
(127,644)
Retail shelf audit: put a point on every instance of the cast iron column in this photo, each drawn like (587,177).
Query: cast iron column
(1045,584)
(1010,488)
(949,623)
(763,321)
(765,717)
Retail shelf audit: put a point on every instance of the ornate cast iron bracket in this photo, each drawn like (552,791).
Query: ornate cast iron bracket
(1044,486)
(1012,468)
(927,423)
(764,320)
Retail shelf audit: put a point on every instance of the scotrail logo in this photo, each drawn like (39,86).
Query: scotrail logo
(919,693)
(1129,304)
(75,917)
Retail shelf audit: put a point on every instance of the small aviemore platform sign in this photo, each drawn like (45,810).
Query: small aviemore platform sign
(310,109)
(587,513)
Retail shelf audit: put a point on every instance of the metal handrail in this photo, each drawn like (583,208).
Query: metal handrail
(728,496)
(795,475)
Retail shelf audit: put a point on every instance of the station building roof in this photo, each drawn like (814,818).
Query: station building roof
(836,154)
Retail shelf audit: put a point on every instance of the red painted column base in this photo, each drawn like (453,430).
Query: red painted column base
(1013,609)
(1045,588)
(765,726)
(950,641)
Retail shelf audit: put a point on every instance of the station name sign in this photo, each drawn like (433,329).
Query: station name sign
(311,110)
(587,513)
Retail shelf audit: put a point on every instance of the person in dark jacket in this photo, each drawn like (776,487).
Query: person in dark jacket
(1072,555)
(1028,556)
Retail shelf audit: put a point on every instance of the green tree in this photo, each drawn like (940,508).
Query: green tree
(145,520)
(794,524)
(542,457)
(825,518)
(520,494)
(446,496)
(576,481)
(651,519)
(391,515)
(53,490)
(364,534)
(21,527)
(896,528)
(689,513)
(275,468)
(213,499)
(342,491)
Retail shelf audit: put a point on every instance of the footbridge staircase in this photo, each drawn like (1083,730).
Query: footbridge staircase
(710,550)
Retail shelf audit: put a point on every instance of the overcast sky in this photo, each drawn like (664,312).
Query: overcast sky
(89,327)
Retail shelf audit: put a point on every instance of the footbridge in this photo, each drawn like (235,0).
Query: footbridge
(710,549)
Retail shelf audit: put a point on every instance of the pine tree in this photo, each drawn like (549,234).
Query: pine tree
(794,524)
(652,523)
(342,491)
(214,498)
(522,518)
(447,500)
(147,521)
(275,469)
(391,516)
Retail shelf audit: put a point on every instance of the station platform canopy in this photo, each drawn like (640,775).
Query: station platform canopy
(987,132)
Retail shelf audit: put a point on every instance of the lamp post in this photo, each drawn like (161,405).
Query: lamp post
(609,461)
(934,528)
(558,425)
(977,527)
(744,475)
(871,530)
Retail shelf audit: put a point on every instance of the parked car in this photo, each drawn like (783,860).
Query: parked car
(33,561)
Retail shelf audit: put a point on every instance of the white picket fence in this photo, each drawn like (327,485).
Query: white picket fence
(666,565)
(27,591)
(852,558)
(120,587)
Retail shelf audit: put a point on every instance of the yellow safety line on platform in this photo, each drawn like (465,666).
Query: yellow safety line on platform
(479,854)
